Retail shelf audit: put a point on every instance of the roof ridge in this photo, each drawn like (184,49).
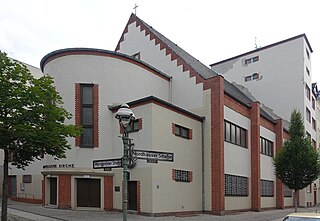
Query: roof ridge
(265,47)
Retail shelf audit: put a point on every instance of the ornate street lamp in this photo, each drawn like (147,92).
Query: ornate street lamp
(125,116)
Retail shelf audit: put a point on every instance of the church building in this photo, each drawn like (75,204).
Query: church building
(221,138)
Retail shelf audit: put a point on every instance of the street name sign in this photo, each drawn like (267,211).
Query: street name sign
(152,155)
(109,163)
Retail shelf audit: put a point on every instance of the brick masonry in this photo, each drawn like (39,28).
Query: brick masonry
(255,157)
(217,145)
(108,192)
(64,192)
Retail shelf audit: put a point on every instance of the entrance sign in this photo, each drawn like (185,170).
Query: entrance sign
(111,163)
(152,155)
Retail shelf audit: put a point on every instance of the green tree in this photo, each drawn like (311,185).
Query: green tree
(32,119)
(297,162)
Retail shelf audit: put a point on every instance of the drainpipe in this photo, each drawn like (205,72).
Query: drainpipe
(170,90)
(202,165)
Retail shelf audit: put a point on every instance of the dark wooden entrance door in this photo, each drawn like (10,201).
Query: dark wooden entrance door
(13,186)
(132,195)
(88,193)
(53,191)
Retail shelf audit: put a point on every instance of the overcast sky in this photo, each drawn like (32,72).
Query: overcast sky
(211,30)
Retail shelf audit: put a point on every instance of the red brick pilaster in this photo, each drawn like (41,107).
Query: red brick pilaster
(255,156)
(78,110)
(96,115)
(140,123)
(138,197)
(64,192)
(173,128)
(108,192)
(43,190)
(190,134)
(279,184)
(217,145)
(173,174)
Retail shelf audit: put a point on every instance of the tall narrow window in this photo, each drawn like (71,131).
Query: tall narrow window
(87,114)
(314,124)
(313,103)
(308,91)
(266,147)
(308,115)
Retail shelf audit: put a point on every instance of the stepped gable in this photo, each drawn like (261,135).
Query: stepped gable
(191,64)
(188,62)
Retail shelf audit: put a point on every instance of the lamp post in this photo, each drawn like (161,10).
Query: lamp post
(125,115)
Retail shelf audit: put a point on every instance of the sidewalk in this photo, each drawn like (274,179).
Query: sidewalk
(27,212)
(17,215)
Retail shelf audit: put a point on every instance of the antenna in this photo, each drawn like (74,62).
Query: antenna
(255,43)
(135,8)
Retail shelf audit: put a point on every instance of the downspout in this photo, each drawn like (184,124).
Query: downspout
(202,165)
(170,90)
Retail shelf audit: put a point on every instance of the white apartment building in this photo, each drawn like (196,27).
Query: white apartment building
(280,76)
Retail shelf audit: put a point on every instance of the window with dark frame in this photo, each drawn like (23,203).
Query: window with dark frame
(308,115)
(308,71)
(235,185)
(308,54)
(266,147)
(267,188)
(181,131)
(251,60)
(254,76)
(314,124)
(313,103)
(235,134)
(87,115)
(308,91)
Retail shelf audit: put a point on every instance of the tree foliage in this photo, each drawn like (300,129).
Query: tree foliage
(297,162)
(32,119)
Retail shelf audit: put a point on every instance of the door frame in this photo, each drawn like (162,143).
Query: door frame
(74,192)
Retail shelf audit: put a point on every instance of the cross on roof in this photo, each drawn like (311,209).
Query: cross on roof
(135,9)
